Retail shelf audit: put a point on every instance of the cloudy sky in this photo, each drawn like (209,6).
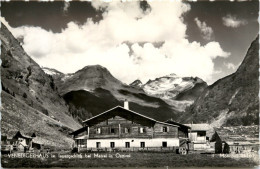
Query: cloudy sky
(136,40)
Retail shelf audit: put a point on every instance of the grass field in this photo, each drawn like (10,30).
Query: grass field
(124,159)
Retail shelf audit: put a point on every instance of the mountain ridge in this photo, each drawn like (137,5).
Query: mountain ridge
(231,100)
(24,84)
(96,82)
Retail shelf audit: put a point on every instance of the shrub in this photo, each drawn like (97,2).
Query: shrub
(24,95)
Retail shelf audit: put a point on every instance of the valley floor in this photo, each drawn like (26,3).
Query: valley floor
(125,159)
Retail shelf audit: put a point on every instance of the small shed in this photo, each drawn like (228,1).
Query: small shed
(22,141)
(220,145)
(198,136)
(234,143)
(198,132)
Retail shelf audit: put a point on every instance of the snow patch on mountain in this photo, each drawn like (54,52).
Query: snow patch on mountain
(50,71)
(167,87)
(234,95)
(179,105)
(67,76)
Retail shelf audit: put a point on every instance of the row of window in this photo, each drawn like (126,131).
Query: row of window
(113,130)
(127,144)
(127,130)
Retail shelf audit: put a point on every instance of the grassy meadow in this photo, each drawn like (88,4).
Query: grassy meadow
(125,159)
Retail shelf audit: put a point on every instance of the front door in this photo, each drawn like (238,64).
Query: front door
(142,144)
(98,144)
(164,144)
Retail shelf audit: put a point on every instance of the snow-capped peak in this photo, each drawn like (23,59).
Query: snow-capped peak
(169,86)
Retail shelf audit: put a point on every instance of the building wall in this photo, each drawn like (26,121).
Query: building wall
(243,148)
(193,136)
(136,142)
(201,146)
(198,136)
(21,143)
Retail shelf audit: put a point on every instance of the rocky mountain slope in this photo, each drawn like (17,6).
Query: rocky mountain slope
(232,100)
(137,83)
(94,89)
(179,92)
(30,101)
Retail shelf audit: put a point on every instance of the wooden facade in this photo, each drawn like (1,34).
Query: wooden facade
(122,128)
(118,127)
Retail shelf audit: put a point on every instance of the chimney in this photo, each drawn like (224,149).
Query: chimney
(126,105)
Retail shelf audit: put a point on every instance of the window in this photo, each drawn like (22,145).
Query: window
(141,130)
(98,130)
(127,144)
(142,144)
(165,129)
(127,130)
(164,144)
(98,144)
(112,130)
(112,144)
(201,133)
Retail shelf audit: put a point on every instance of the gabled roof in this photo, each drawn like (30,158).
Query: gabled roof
(120,107)
(79,131)
(116,108)
(82,137)
(237,132)
(179,124)
(21,135)
(199,127)
(227,137)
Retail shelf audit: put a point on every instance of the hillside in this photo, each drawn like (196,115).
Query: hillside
(29,96)
(232,100)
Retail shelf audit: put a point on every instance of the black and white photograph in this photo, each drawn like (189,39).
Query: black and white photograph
(130,84)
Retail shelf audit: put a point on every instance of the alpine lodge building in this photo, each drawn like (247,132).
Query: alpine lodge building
(123,129)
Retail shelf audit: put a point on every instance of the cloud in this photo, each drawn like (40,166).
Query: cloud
(117,43)
(232,21)
(204,29)
(230,65)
